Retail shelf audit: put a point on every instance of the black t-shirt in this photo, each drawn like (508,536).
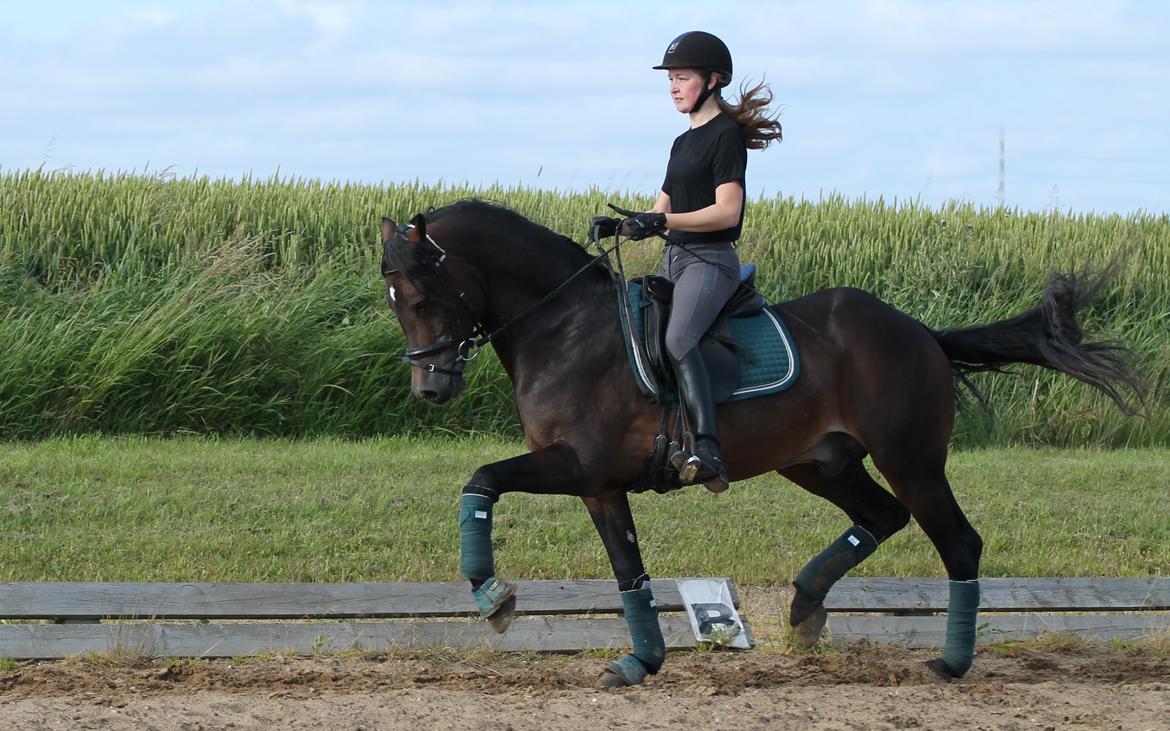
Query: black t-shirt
(702,159)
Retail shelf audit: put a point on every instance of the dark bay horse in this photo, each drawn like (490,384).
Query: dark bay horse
(873,381)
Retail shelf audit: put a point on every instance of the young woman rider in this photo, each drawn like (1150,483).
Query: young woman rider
(702,205)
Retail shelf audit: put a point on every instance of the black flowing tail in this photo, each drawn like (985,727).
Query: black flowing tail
(1048,335)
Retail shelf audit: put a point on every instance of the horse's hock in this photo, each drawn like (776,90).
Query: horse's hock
(59,619)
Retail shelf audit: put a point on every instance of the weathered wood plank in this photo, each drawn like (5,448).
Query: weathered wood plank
(930,631)
(544,634)
(84,600)
(1002,595)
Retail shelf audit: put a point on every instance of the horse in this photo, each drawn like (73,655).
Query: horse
(874,381)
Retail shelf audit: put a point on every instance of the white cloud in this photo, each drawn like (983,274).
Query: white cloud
(332,20)
(886,97)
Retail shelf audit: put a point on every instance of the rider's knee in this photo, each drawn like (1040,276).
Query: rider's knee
(678,345)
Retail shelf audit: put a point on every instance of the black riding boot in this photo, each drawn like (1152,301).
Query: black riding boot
(706,464)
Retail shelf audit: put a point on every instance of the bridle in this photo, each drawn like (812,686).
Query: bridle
(467,347)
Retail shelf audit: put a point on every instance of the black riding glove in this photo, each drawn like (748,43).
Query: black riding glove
(604,226)
(643,225)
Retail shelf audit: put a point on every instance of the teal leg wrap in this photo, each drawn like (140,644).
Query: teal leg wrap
(491,595)
(649,648)
(962,608)
(475,537)
(850,549)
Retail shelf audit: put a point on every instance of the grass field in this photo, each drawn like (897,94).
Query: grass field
(136,304)
(231,510)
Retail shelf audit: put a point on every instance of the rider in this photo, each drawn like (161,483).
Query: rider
(702,205)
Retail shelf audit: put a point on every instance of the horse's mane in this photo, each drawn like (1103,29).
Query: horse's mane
(417,263)
(502,215)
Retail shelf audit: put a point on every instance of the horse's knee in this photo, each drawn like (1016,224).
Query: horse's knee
(483,482)
(885,519)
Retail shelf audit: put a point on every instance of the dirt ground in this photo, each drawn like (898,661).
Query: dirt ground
(1061,684)
(857,688)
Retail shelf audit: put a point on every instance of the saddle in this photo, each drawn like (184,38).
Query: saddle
(718,346)
(748,353)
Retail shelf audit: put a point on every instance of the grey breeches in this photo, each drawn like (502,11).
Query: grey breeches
(701,287)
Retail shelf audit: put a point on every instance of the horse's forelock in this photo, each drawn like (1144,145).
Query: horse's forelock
(416,263)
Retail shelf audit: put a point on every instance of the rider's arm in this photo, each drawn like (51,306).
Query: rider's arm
(720,215)
(662,205)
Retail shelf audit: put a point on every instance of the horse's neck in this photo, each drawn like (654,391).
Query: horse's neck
(559,335)
(516,273)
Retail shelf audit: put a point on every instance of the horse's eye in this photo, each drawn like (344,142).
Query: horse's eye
(419,307)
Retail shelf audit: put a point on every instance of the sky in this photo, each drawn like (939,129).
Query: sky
(899,100)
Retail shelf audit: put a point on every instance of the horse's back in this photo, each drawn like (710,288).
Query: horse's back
(876,357)
(850,316)
(832,301)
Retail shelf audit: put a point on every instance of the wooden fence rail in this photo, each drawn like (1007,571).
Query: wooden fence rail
(912,611)
(555,616)
(56,619)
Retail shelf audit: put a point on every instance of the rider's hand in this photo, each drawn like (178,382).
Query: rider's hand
(643,225)
(604,226)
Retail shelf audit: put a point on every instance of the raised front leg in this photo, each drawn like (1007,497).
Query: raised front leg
(552,470)
(611,515)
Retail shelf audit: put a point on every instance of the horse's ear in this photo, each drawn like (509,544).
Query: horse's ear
(388,227)
(419,232)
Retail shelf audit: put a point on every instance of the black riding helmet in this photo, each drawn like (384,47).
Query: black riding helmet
(697,49)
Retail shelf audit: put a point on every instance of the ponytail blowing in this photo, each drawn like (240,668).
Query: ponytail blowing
(751,114)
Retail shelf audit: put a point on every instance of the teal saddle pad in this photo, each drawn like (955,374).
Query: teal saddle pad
(768,361)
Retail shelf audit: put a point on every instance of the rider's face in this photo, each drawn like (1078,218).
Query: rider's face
(685,87)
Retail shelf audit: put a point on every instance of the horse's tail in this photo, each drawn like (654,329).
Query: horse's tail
(1048,335)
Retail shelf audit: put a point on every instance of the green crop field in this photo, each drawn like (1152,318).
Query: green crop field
(152,305)
(201,382)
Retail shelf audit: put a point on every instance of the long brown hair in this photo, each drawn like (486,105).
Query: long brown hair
(751,114)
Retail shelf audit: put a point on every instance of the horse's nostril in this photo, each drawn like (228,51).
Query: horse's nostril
(430,396)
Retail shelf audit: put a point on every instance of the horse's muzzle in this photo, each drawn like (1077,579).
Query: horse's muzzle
(437,388)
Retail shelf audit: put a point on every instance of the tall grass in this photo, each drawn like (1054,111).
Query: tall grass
(154,304)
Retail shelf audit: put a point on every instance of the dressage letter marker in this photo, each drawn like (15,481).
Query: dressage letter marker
(712,612)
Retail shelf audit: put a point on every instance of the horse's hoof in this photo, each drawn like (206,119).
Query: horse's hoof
(500,619)
(941,670)
(809,630)
(623,673)
(610,679)
(496,600)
